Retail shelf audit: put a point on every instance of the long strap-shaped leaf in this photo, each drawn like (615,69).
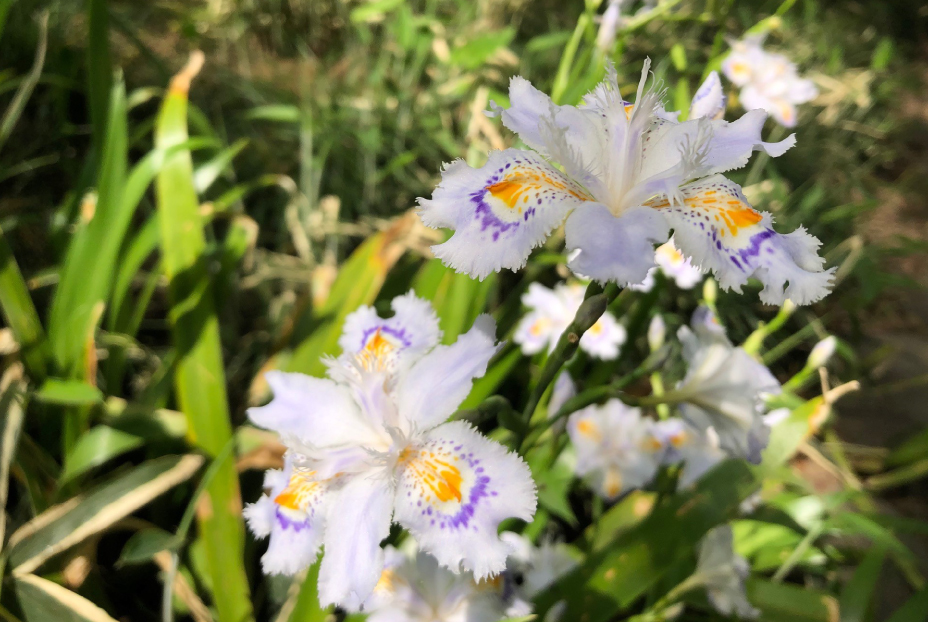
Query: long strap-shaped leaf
(42,601)
(200,377)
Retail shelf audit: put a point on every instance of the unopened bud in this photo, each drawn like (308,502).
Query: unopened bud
(822,352)
(710,291)
(657,331)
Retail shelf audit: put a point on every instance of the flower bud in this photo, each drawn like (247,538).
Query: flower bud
(822,352)
(657,331)
(710,291)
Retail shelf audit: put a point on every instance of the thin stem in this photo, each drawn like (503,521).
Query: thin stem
(594,305)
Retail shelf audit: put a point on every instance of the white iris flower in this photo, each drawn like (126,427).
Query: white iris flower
(627,177)
(768,81)
(370,444)
(552,311)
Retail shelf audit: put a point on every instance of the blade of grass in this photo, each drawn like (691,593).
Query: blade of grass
(99,68)
(199,376)
(20,314)
(15,109)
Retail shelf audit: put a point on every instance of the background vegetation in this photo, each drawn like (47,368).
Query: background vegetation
(157,255)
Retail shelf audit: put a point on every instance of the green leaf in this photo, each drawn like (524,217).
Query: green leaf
(20,313)
(475,52)
(199,374)
(144,544)
(12,405)
(64,525)
(280,113)
(87,274)
(616,576)
(209,172)
(99,68)
(858,593)
(43,601)
(24,92)
(96,446)
(373,10)
(882,54)
(782,602)
(68,392)
(914,610)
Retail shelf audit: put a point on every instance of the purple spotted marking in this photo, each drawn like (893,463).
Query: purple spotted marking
(286,522)
(397,333)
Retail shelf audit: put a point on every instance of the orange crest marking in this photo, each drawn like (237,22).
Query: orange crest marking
(298,491)
(442,478)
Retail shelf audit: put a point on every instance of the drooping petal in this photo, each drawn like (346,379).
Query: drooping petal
(500,211)
(709,100)
(292,515)
(454,489)
(614,249)
(412,331)
(357,520)
(717,228)
(317,411)
(432,389)
(527,107)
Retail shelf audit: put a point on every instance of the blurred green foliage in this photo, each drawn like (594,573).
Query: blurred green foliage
(155,259)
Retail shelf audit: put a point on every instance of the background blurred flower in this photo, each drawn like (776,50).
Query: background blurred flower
(768,81)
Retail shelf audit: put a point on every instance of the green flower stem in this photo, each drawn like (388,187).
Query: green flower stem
(594,305)
(755,340)
(657,612)
(657,388)
(593,396)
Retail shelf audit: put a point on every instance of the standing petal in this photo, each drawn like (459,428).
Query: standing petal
(435,386)
(720,231)
(453,491)
(709,100)
(412,331)
(317,411)
(358,519)
(500,211)
(614,249)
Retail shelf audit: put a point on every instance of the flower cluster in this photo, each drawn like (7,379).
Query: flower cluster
(552,311)
(768,81)
(722,414)
(629,174)
(371,444)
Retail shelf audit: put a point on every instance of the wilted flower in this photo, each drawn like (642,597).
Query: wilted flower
(414,588)
(551,313)
(723,573)
(616,447)
(370,444)
(768,81)
(724,388)
(698,451)
(630,176)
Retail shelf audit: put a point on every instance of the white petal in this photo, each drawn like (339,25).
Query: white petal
(715,146)
(604,339)
(358,519)
(717,228)
(454,492)
(292,514)
(616,448)
(317,411)
(432,389)
(709,100)
(536,332)
(528,106)
(500,211)
(412,331)
(614,249)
